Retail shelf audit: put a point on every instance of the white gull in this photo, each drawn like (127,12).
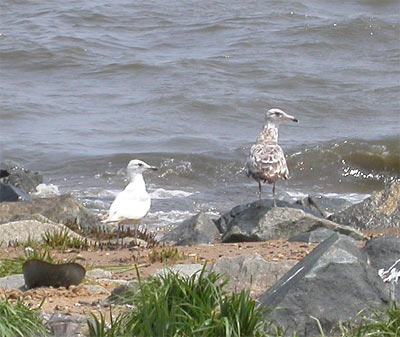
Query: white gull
(266,162)
(133,203)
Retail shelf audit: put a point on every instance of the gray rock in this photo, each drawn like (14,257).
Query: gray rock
(21,178)
(277,223)
(4,173)
(64,209)
(118,292)
(65,325)
(324,206)
(382,253)
(199,229)
(95,274)
(333,283)
(96,289)
(12,282)
(112,281)
(181,269)
(256,207)
(315,236)
(250,272)
(11,194)
(25,231)
(381,210)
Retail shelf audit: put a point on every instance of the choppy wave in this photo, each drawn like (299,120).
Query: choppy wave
(352,164)
(184,86)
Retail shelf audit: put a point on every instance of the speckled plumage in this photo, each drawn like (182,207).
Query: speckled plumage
(266,162)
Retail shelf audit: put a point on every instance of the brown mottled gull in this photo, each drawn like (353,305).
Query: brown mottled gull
(266,162)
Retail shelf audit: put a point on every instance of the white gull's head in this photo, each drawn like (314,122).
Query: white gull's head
(277,116)
(137,166)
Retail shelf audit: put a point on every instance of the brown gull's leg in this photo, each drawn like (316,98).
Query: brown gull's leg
(273,194)
(259,194)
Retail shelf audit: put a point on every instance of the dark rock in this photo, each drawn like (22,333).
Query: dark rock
(21,177)
(324,206)
(12,194)
(43,274)
(65,325)
(381,210)
(64,209)
(4,173)
(262,224)
(256,207)
(315,236)
(199,229)
(250,272)
(333,283)
(382,253)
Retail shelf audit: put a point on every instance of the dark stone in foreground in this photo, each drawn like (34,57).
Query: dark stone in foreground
(256,223)
(333,283)
(381,210)
(382,253)
(43,274)
(21,177)
(9,193)
(199,229)
(64,209)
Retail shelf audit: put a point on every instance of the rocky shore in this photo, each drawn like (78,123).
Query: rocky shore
(319,257)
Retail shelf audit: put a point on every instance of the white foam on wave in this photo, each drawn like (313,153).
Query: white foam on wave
(161,193)
(352,197)
(163,219)
(46,190)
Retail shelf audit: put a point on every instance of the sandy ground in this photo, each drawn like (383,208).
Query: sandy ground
(121,262)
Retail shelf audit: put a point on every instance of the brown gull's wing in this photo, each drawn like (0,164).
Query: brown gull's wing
(267,161)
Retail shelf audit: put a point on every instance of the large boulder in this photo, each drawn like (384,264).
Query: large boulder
(263,223)
(64,209)
(256,207)
(199,229)
(381,210)
(333,283)
(382,254)
(25,231)
(250,272)
(20,177)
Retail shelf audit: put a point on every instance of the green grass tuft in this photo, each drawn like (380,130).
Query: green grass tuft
(62,240)
(17,320)
(165,254)
(179,306)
